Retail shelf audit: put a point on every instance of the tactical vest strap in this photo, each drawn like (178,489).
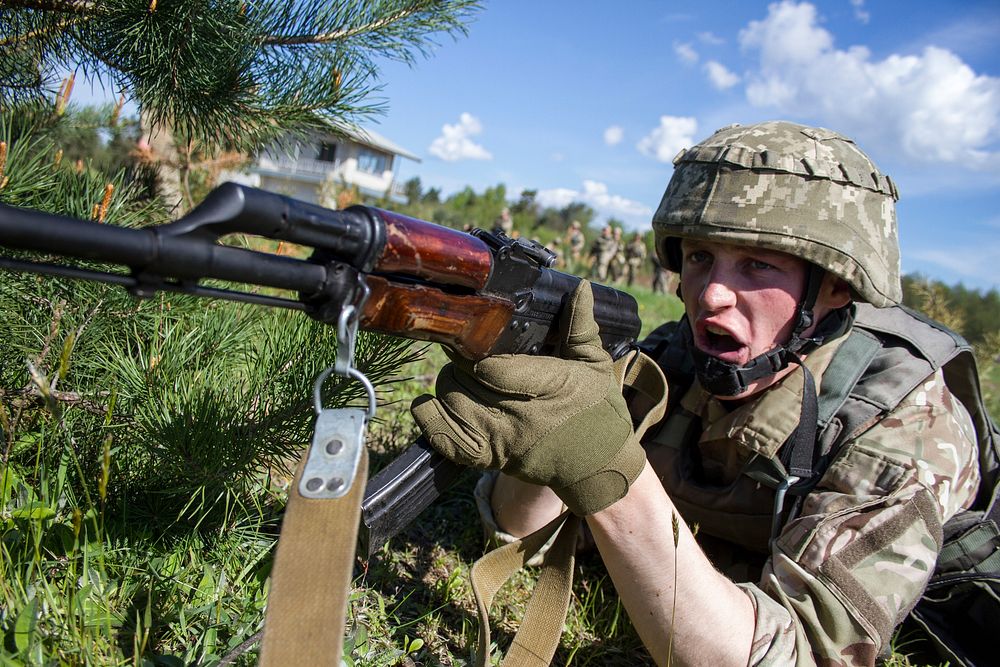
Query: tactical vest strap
(801,458)
(844,371)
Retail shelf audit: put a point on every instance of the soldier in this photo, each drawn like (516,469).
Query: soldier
(635,254)
(576,241)
(504,222)
(616,272)
(661,276)
(816,535)
(602,252)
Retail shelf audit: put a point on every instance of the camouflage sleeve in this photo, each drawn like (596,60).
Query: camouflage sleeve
(848,569)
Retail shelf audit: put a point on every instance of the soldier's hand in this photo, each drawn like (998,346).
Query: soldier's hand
(558,422)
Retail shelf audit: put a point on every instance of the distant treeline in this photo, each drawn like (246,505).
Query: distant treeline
(971,312)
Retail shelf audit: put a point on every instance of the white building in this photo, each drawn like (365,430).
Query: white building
(357,157)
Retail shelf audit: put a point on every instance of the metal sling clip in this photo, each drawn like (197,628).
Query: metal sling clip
(339,435)
(779,505)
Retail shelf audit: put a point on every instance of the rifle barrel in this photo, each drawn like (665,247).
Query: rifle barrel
(149,252)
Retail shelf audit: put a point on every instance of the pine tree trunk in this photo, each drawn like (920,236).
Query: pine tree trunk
(164,155)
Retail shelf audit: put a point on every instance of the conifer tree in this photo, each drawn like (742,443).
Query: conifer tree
(216,75)
(144,444)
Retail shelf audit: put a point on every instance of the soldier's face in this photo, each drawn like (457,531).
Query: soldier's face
(741,301)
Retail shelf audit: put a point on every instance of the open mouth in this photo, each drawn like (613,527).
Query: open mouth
(720,343)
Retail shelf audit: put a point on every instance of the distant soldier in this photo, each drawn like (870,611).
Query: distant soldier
(576,241)
(602,252)
(635,254)
(618,260)
(504,223)
(661,277)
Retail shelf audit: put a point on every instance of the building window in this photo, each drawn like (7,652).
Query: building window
(327,152)
(371,162)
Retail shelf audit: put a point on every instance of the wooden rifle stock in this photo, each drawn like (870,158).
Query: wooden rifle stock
(470,324)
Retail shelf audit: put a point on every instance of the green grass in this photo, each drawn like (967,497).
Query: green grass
(991,387)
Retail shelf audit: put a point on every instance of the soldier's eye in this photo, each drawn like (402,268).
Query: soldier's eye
(698,257)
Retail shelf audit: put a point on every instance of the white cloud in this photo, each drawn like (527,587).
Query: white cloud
(557,197)
(933,105)
(455,143)
(686,52)
(594,194)
(860,13)
(665,141)
(710,38)
(720,76)
(614,135)
(789,35)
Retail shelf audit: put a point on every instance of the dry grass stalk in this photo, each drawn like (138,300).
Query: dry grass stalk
(65,90)
(117,111)
(676,525)
(3,164)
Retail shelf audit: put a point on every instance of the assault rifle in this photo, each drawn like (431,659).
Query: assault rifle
(479,293)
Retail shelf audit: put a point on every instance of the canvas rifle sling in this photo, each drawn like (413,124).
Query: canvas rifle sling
(537,638)
(311,577)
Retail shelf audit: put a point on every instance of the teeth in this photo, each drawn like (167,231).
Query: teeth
(716,330)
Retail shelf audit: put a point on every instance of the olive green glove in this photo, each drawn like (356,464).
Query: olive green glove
(557,422)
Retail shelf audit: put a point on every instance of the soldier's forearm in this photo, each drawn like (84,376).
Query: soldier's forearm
(712,622)
(520,508)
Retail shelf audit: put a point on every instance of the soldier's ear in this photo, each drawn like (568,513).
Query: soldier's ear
(834,292)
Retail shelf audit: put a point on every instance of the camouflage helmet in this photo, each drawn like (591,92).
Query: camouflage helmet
(806,191)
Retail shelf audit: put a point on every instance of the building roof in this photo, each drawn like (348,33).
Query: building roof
(373,139)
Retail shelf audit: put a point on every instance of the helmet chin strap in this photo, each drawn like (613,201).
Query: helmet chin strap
(723,378)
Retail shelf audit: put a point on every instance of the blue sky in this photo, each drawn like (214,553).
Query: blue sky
(591,100)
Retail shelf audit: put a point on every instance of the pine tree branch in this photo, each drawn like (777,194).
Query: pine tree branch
(41,32)
(64,6)
(336,35)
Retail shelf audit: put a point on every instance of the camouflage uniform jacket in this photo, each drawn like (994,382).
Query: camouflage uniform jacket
(847,568)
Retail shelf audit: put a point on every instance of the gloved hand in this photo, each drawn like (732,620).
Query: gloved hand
(555,421)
